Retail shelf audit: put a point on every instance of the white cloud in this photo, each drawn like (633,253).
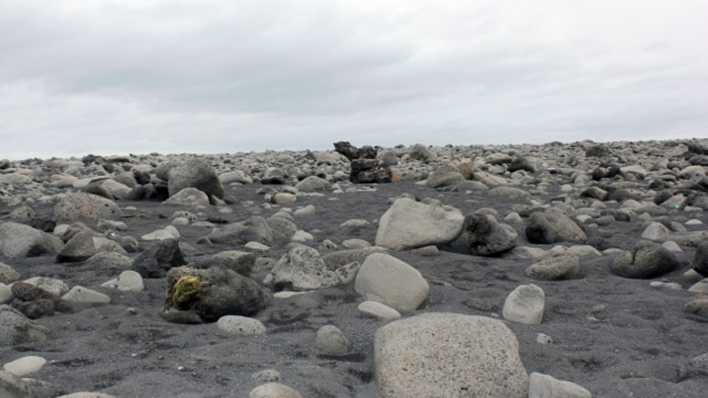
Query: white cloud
(213,76)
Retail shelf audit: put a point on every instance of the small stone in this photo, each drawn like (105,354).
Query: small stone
(544,386)
(274,390)
(130,281)
(544,339)
(5,293)
(237,325)
(379,311)
(257,246)
(700,287)
(331,341)
(80,294)
(525,304)
(656,232)
(24,366)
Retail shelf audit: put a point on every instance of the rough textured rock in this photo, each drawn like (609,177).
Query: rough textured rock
(448,355)
(15,328)
(483,235)
(555,267)
(700,258)
(188,197)
(409,224)
(388,280)
(302,268)
(544,386)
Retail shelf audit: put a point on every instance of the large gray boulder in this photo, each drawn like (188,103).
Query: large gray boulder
(388,280)
(553,226)
(448,355)
(194,173)
(409,224)
(645,260)
(20,240)
(85,207)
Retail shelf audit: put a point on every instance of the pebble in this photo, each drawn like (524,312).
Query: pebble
(332,341)
(236,325)
(25,366)
(82,295)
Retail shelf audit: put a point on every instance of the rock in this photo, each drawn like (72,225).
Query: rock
(274,175)
(598,151)
(254,229)
(79,248)
(525,304)
(53,286)
(87,395)
(302,268)
(25,366)
(15,328)
(698,308)
(82,295)
(420,152)
(408,224)
(158,259)
(283,198)
(553,268)
(84,207)
(390,281)
(489,179)
(20,240)
(236,325)
(656,231)
(444,176)
(379,311)
(5,293)
(634,171)
(194,173)
(167,233)
(483,235)
(8,274)
(521,163)
(188,197)
(544,386)
(266,376)
(331,341)
(314,184)
(130,281)
(700,258)
(551,227)
(448,355)
(274,390)
(700,287)
(212,293)
(645,260)
(108,188)
(235,260)
(235,176)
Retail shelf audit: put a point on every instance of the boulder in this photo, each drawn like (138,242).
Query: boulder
(448,355)
(483,235)
(20,240)
(188,197)
(194,173)
(390,281)
(645,260)
(555,267)
(314,184)
(15,328)
(212,293)
(408,224)
(544,386)
(156,260)
(302,268)
(552,226)
(525,304)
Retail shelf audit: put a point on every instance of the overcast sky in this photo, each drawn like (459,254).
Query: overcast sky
(121,76)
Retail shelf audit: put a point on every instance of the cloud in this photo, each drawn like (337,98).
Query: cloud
(218,76)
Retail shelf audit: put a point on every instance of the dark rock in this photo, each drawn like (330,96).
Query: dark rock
(159,258)
(195,173)
(214,292)
(645,260)
(700,258)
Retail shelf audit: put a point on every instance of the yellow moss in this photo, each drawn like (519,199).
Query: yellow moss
(185,290)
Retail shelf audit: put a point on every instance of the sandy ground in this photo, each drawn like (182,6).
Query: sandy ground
(636,343)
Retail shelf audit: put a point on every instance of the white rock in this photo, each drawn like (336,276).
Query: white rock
(236,325)
(274,390)
(80,294)
(525,304)
(130,281)
(5,293)
(656,232)
(302,236)
(51,285)
(390,281)
(379,311)
(331,341)
(544,386)
(257,246)
(24,366)
(169,232)
(409,224)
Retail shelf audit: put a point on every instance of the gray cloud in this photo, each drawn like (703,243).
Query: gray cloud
(217,76)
